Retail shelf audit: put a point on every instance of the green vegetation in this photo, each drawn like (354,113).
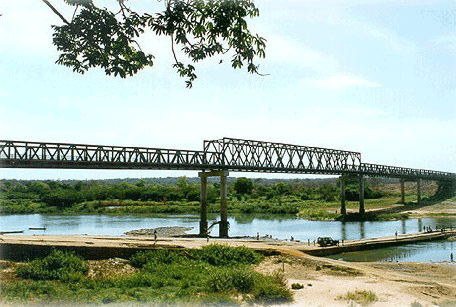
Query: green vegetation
(216,274)
(100,37)
(360,296)
(296,286)
(57,266)
(343,271)
(313,199)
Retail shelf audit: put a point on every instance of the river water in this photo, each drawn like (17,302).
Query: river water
(283,227)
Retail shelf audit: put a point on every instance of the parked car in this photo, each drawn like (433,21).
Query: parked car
(327,241)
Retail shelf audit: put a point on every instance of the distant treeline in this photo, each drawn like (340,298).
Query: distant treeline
(169,194)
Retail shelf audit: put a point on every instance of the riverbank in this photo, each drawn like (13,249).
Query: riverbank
(324,282)
(19,247)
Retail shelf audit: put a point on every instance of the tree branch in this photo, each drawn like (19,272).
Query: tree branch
(56,12)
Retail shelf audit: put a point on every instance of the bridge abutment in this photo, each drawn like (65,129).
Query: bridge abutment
(223,224)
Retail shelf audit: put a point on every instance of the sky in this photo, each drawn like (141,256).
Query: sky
(373,76)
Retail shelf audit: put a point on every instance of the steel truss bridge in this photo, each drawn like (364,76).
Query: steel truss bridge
(217,158)
(224,154)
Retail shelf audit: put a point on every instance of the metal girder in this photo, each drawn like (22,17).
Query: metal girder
(257,156)
(403,172)
(15,154)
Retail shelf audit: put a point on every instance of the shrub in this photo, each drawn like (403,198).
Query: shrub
(227,279)
(154,257)
(272,289)
(360,296)
(57,266)
(221,255)
(296,286)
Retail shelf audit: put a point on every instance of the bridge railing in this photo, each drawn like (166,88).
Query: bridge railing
(403,172)
(248,155)
(36,154)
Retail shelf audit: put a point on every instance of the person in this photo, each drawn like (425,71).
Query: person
(451,257)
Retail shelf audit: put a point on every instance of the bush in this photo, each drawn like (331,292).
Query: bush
(297,286)
(360,296)
(221,255)
(57,266)
(227,279)
(264,289)
(154,257)
(272,289)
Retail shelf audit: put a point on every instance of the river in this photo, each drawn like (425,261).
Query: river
(283,227)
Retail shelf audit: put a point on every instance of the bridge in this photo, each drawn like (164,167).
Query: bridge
(218,158)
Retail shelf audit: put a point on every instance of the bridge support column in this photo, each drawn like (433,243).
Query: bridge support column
(343,209)
(223,229)
(223,225)
(402,191)
(418,191)
(361,194)
(203,210)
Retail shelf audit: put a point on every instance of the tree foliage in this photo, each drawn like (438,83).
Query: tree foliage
(243,185)
(98,37)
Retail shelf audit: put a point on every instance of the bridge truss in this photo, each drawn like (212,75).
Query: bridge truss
(226,154)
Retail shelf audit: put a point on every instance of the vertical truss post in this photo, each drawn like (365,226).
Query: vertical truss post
(203,212)
(361,194)
(402,191)
(418,191)
(343,209)
(223,229)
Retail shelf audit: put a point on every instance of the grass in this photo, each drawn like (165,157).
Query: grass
(216,274)
(343,271)
(362,297)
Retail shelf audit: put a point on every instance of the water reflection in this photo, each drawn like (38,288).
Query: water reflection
(435,251)
(343,231)
(362,234)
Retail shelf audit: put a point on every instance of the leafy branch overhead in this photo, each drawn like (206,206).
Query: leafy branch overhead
(98,37)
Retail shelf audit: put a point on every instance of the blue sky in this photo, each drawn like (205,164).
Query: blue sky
(378,77)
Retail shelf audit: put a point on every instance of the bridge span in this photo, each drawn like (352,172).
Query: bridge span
(218,158)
